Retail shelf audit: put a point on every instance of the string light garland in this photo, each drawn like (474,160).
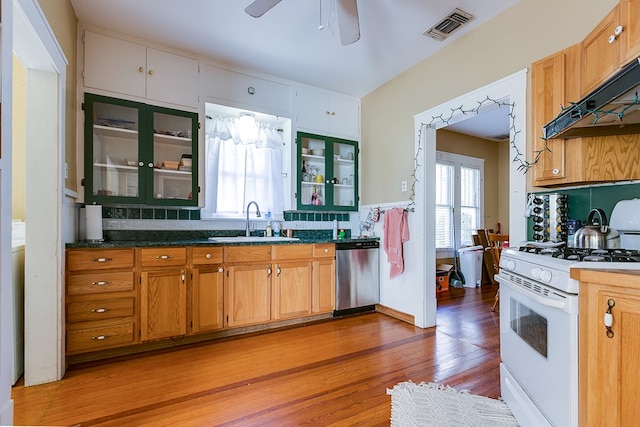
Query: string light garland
(523,165)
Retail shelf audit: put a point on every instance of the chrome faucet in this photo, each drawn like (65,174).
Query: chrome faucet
(247,232)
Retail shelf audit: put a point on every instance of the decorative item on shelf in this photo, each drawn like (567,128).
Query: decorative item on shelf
(349,155)
(305,150)
(319,178)
(335,180)
(170,164)
(317,151)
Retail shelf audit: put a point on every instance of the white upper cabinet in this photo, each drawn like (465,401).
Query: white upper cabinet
(244,91)
(327,113)
(129,68)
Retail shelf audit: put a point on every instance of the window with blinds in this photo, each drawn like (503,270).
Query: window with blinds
(459,196)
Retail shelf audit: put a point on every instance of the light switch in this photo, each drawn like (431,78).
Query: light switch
(404,186)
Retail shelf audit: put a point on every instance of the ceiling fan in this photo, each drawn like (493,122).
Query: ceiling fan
(346,10)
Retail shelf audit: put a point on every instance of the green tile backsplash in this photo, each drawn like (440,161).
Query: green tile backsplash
(194,214)
(582,200)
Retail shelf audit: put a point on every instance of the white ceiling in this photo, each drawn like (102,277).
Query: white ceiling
(286,42)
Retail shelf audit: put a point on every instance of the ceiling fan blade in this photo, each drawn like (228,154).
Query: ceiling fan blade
(259,7)
(347,11)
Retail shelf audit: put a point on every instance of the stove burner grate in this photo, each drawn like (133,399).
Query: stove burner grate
(585,254)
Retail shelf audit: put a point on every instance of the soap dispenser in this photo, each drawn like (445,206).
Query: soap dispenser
(268,230)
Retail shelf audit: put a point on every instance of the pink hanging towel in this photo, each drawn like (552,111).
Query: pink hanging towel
(396,232)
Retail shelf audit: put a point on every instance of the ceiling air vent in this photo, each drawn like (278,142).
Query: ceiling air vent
(447,25)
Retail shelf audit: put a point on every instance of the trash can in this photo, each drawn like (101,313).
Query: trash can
(471,265)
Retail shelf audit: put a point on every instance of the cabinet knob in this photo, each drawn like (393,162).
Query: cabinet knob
(140,163)
(220,270)
(141,70)
(150,72)
(150,164)
(100,310)
(327,112)
(556,171)
(101,337)
(619,29)
(612,38)
(326,251)
(333,113)
(208,256)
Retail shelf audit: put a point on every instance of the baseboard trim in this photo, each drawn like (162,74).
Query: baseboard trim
(396,314)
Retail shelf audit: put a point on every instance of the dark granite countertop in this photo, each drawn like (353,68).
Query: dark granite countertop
(146,239)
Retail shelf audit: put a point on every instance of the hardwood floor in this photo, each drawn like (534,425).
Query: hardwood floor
(326,374)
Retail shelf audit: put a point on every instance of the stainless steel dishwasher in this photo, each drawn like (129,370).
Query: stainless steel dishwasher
(357,277)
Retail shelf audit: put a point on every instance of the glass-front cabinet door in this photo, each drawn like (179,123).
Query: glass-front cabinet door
(173,150)
(139,154)
(327,173)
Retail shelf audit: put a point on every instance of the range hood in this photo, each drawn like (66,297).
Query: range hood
(611,109)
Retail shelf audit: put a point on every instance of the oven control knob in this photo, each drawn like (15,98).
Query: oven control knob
(535,273)
(510,265)
(545,276)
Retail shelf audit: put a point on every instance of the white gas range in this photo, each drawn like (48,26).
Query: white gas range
(539,321)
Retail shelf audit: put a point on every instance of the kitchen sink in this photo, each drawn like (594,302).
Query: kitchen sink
(239,239)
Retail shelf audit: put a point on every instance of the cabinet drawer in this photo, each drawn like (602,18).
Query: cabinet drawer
(100,338)
(99,259)
(327,250)
(248,253)
(93,283)
(208,255)
(160,257)
(294,251)
(99,309)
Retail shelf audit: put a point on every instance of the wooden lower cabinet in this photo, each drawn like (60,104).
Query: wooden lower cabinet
(248,294)
(163,308)
(291,289)
(120,297)
(324,286)
(207,289)
(100,300)
(609,367)
(207,302)
(324,278)
(163,293)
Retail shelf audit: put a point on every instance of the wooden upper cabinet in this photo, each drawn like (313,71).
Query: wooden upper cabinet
(600,57)
(554,83)
(614,42)
(630,37)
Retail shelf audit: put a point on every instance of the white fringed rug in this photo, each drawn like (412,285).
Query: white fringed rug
(430,404)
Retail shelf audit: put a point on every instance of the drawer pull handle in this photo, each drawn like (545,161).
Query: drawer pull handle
(100,310)
(208,256)
(326,251)
(101,283)
(101,337)
(102,259)
(220,270)
(164,257)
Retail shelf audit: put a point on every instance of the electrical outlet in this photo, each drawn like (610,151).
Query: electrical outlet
(404,186)
(66,171)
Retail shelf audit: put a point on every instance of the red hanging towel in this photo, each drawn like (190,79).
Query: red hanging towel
(396,232)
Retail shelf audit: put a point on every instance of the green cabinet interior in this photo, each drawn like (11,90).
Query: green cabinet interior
(141,154)
(327,173)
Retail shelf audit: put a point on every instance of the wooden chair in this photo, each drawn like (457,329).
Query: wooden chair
(495,243)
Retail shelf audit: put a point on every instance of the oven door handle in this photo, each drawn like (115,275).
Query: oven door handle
(538,298)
